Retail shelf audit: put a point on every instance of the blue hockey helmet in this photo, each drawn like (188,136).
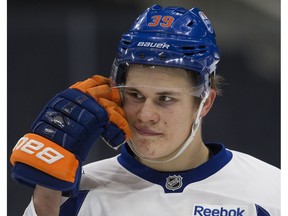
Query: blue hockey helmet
(170,37)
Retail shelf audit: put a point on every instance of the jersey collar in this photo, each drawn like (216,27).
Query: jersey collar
(175,182)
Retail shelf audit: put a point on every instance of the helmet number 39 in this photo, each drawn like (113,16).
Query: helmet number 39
(165,21)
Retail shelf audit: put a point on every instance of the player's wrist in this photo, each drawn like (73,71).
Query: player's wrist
(46,201)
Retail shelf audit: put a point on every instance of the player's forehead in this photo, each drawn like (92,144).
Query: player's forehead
(154,67)
(157,76)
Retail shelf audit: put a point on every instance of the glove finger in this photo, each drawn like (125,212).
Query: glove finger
(114,136)
(90,82)
(61,122)
(101,79)
(82,86)
(108,104)
(99,91)
(119,120)
(55,135)
(105,91)
(78,114)
(116,115)
(87,102)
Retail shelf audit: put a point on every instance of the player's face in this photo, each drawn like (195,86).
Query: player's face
(159,112)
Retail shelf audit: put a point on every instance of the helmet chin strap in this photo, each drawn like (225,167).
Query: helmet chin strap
(187,142)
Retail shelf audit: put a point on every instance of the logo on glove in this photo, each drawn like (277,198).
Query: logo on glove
(30,146)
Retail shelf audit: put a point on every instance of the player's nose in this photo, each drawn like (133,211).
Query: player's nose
(148,112)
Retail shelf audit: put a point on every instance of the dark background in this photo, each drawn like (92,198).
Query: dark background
(53,44)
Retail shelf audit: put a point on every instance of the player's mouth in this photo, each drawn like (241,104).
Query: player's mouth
(146,132)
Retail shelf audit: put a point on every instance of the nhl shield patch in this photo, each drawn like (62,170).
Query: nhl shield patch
(174,182)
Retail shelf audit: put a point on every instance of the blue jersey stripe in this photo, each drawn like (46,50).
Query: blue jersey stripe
(72,206)
(261,211)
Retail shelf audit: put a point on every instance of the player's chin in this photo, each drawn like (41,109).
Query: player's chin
(143,147)
(148,149)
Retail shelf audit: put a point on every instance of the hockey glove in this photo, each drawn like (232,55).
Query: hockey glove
(64,132)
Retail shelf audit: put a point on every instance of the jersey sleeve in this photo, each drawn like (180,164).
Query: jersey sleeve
(30,210)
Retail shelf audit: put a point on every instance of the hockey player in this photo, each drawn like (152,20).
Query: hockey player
(163,82)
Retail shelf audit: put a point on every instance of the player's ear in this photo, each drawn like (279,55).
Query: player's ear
(209,102)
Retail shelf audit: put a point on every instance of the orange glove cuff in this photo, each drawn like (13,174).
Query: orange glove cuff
(45,155)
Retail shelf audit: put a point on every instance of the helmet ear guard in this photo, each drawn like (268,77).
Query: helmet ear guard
(118,72)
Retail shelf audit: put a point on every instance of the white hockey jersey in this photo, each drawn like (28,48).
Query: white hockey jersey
(229,184)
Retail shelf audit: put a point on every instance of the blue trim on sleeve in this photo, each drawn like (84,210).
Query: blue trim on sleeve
(261,211)
(72,206)
(213,165)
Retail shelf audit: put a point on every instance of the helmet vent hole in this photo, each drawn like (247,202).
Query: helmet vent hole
(198,52)
(194,50)
(190,24)
(162,57)
(126,42)
(188,47)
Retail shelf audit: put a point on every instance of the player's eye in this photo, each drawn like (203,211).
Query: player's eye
(165,99)
(135,96)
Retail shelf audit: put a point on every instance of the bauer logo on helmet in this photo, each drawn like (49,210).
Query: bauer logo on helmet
(153,45)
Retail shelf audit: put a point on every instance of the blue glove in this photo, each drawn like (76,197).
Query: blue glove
(64,132)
